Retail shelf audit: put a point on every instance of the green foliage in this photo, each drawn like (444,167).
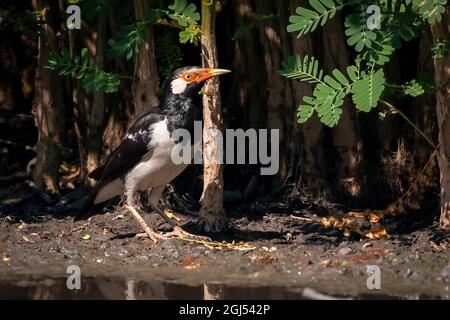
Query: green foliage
(401,20)
(185,14)
(413,88)
(168,55)
(182,16)
(357,32)
(380,51)
(430,10)
(92,77)
(367,90)
(330,90)
(306,70)
(187,18)
(307,20)
(129,39)
(190,34)
(441,48)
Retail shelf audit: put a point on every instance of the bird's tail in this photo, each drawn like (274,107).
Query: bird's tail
(89,208)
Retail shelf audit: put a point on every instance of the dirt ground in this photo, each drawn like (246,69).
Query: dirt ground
(275,256)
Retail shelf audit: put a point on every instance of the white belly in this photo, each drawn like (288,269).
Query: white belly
(156,168)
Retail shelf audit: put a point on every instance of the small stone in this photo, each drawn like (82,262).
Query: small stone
(345,251)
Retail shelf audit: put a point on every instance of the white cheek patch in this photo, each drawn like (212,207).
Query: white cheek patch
(178,86)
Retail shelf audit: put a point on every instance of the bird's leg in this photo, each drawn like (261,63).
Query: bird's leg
(178,232)
(154,236)
(130,207)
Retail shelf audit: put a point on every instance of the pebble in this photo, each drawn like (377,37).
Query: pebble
(345,251)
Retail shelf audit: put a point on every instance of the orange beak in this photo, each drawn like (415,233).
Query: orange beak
(207,73)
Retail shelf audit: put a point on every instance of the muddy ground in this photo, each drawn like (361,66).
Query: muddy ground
(283,258)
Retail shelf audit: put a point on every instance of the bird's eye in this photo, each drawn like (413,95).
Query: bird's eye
(188,77)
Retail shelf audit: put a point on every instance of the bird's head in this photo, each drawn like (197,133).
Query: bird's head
(188,80)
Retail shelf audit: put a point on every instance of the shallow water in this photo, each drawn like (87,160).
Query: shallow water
(129,289)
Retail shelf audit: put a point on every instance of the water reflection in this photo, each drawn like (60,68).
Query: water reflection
(130,289)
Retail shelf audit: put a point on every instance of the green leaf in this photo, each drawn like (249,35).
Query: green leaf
(367,90)
(185,14)
(441,48)
(306,70)
(190,34)
(306,20)
(431,10)
(357,32)
(413,88)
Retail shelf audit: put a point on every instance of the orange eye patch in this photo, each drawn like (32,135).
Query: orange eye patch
(189,77)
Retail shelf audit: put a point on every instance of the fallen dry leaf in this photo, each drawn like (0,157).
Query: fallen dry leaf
(374,217)
(263,259)
(118,217)
(378,234)
(6,257)
(189,262)
(303,261)
(357,215)
(86,237)
(25,238)
(171,215)
(84,226)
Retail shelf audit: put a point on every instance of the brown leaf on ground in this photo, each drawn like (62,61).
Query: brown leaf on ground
(357,215)
(190,262)
(263,259)
(376,234)
(25,238)
(373,254)
(303,261)
(374,217)
(6,257)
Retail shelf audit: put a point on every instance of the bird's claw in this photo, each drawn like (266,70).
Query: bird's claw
(177,232)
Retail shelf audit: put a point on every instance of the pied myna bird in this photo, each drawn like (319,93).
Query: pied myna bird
(142,161)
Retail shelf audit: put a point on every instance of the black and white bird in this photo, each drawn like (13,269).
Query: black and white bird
(142,161)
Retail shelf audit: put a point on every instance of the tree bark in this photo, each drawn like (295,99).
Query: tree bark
(97,114)
(424,115)
(146,83)
(212,213)
(276,85)
(312,173)
(48,108)
(344,135)
(442,73)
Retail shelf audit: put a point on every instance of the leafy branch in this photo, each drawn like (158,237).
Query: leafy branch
(93,78)
(180,15)
(330,90)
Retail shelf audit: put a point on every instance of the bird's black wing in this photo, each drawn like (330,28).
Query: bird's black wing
(134,146)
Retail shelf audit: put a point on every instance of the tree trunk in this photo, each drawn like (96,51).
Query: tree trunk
(312,173)
(212,213)
(276,85)
(146,83)
(97,114)
(48,108)
(344,135)
(441,30)
(248,87)
(424,114)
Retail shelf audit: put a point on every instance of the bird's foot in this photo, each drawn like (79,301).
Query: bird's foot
(153,235)
(177,232)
